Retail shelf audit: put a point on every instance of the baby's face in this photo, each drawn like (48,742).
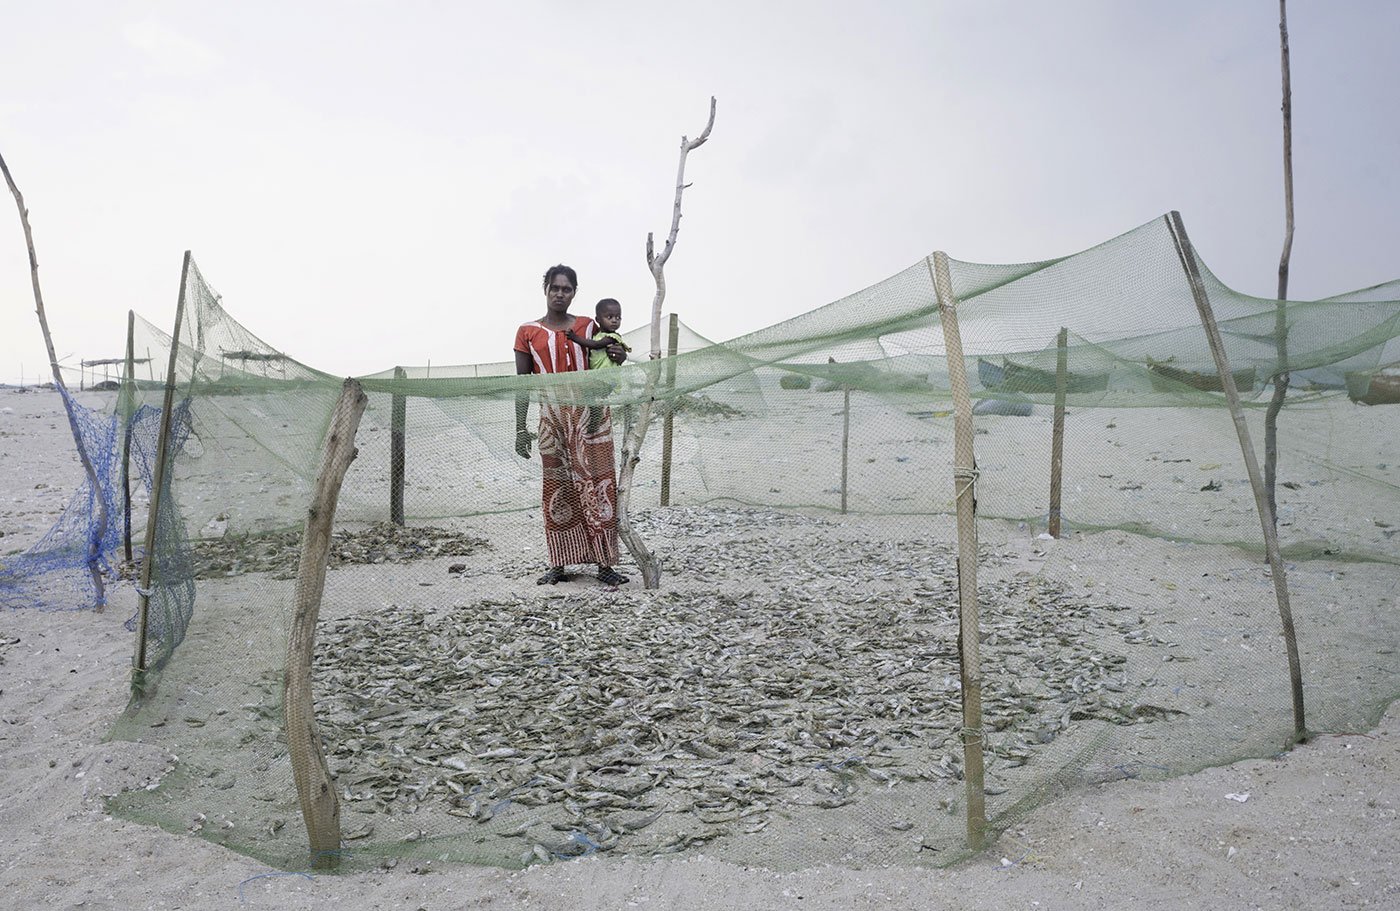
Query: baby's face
(609,319)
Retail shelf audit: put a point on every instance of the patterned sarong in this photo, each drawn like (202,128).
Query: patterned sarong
(580,489)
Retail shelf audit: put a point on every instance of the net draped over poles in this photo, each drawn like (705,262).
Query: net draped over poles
(791,695)
(52,574)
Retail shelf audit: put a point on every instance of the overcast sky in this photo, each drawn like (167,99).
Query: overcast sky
(379,183)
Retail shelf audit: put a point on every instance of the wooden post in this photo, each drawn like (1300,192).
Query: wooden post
(1281,374)
(1057,434)
(320,807)
(128,397)
(845,438)
(143,604)
(965,486)
(398,421)
(673,336)
(845,445)
(1251,464)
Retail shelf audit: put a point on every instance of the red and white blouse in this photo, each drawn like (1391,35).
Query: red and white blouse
(550,350)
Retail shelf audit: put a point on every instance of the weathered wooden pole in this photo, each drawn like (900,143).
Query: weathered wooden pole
(1281,374)
(1057,433)
(965,486)
(98,534)
(148,555)
(320,807)
(673,336)
(845,446)
(845,438)
(398,421)
(127,411)
(1251,464)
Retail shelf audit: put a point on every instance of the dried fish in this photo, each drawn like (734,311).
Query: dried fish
(653,722)
(278,552)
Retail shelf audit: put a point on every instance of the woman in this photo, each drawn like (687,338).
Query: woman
(580,485)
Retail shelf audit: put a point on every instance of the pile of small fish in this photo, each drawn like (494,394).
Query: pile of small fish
(794,668)
(702,406)
(277,553)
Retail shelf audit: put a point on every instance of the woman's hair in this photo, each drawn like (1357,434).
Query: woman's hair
(563,270)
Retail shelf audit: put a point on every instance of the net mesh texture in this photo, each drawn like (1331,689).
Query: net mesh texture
(790,696)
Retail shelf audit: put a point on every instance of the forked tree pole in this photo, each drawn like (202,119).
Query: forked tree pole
(398,425)
(1251,464)
(320,807)
(965,486)
(148,555)
(98,535)
(668,422)
(636,434)
(127,412)
(1057,433)
(1280,380)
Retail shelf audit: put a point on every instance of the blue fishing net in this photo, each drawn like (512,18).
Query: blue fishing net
(72,566)
(61,571)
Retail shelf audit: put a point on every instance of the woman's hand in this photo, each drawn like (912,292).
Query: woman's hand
(522,443)
(616,353)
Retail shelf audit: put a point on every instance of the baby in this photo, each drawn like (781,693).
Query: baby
(608,319)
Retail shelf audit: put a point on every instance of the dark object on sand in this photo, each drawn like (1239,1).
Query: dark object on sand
(1010,376)
(795,381)
(1374,388)
(1011,408)
(1166,378)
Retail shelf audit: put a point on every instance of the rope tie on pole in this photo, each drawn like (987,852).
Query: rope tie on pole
(970,475)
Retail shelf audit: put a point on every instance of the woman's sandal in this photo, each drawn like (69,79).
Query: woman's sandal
(553,576)
(610,576)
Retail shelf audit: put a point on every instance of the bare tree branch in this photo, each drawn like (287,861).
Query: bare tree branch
(687,146)
(632,442)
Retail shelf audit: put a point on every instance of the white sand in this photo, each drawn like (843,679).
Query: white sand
(1318,829)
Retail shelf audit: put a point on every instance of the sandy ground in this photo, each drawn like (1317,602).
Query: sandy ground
(1317,830)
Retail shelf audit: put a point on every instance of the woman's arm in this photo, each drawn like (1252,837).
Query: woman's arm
(523,365)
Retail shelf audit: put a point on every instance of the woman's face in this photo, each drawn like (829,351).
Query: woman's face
(559,293)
